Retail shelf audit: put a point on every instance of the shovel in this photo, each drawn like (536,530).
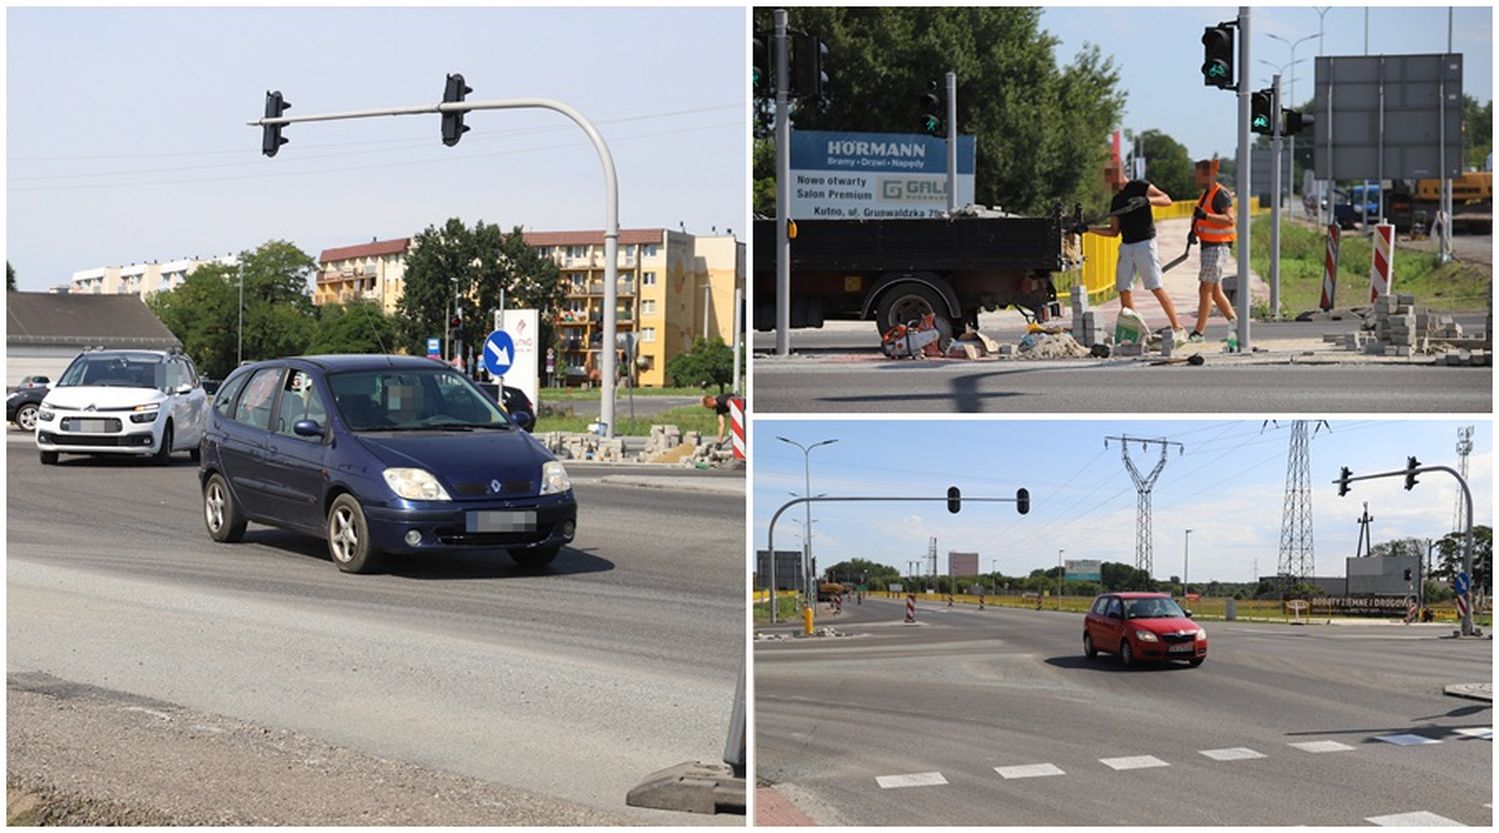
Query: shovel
(1191,238)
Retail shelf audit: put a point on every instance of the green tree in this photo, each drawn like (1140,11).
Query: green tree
(1168,165)
(1450,556)
(279,319)
(1117,576)
(856,569)
(472,267)
(1400,547)
(10,277)
(1039,127)
(1478,131)
(1303,590)
(709,362)
(356,327)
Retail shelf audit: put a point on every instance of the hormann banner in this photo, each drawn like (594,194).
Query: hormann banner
(866,176)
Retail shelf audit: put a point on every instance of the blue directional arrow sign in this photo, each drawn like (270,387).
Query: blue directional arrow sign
(499,353)
(1460,587)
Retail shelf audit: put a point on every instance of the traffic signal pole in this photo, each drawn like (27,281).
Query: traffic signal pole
(952,142)
(782,47)
(611,203)
(1275,145)
(1409,472)
(1244,184)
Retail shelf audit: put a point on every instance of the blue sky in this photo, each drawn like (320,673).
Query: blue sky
(1228,487)
(1159,53)
(161,96)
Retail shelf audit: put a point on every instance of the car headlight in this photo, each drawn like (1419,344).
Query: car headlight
(46,414)
(554,479)
(1201,634)
(1146,636)
(415,484)
(149,406)
(145,413)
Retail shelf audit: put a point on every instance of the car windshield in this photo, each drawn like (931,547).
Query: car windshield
(406,399)
(141,370)
(1152,609)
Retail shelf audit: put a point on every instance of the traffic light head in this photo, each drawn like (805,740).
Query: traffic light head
(453,127)
(1343,481)
(1297,122)
(1218,56)
(1411,464)
(1261,114)
(1407,574)
(807,54)
(760,69)
(271,139)
(1023,501)
(954,499)
(931,109)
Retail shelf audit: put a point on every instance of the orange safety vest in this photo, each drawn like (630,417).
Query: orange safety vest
(1212,231)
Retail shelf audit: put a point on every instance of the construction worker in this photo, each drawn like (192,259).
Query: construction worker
(1213,224)
(720,406)
(1137,249)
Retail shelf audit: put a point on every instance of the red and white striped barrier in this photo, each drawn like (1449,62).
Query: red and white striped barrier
(1462,607)
(1330,266)
(837,603)
(981,601)
(1382,273)
(736,418)
(1410,610)
(911,609)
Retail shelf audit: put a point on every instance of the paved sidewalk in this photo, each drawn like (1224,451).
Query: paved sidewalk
(773,810)
(1472,691)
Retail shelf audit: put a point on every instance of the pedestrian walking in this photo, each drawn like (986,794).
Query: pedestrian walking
(1135,226)
(1213,225)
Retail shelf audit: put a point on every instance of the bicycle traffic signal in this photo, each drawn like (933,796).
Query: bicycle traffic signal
(1218,56)
(453,127)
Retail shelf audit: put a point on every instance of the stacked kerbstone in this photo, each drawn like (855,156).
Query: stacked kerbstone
(1403,327)
(1084,320)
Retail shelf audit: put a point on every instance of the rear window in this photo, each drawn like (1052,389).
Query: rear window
(254,407)
(224,400)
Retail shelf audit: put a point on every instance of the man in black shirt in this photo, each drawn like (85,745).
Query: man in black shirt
(720,405)
(1135,225)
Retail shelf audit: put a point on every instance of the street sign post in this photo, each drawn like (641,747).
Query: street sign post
(499,353)
(434,348)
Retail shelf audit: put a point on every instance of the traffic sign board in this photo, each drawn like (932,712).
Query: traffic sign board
(1460,587)
(499,352)
(434,347)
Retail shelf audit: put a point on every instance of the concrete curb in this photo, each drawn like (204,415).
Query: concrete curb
(774,810)
(1471,691)
(715,485)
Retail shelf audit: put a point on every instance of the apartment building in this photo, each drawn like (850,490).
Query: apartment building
(374,271)
(141,279)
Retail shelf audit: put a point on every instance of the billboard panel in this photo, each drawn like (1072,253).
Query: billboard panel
(1381,575)
(1394,105)
(788,570)
(1084,570)
(962,563)
(864,176)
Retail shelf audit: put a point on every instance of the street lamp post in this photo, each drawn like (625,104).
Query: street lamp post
(807,468)
(1327,196)
(1061,574)
(1293,45)
(1186,559)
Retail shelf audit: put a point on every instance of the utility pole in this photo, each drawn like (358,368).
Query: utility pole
(1186,559)
(1297,555)
(1365,536)
(1275,144)
(1324,190)
(1245,186)
(1061,576)
(952,142)
(1144,555)
(1464,448)
(783,184)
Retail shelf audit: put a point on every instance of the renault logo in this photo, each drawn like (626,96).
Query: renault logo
(494,486)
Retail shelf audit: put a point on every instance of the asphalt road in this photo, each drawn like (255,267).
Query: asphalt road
(573,683)
(965,691)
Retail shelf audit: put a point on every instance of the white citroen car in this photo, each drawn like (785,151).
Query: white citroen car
(144,403)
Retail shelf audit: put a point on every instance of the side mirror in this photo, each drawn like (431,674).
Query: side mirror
(307,428)
(184,389)
(524,419)
(1189,613)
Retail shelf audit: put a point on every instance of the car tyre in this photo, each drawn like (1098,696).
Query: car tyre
(348,536)
(195,454)
(535,559)
(1126,653)
(1195,661)
(49,458)
(163,455)
(221,514)
(1088,648)
(26,417)
(907,302)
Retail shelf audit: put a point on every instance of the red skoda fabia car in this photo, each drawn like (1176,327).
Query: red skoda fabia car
(1143,626)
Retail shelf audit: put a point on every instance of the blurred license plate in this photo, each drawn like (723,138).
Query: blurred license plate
(1184,648)
(89,426)
(502,521)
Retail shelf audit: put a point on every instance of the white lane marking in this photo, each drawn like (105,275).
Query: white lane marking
(1418,819)
(1133,762)
(918,779)
(1406,740)
(1480,732)
(1322,746)
(1232,753)
(1028,771)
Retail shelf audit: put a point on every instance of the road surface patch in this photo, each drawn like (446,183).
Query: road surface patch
(1028,771)
(1232,753)
(1406,740)
(1322,746)
(1418,819)
(1133,762)
(918,779)
(1480,732)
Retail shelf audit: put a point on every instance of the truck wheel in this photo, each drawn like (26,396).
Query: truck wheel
(907,302)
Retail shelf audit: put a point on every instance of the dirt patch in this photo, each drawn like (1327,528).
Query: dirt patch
(1045,346)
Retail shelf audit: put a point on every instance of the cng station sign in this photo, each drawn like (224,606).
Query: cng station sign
(868,176)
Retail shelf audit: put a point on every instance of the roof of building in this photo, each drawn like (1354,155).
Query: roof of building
(379,247)
(627,237)
(89,320)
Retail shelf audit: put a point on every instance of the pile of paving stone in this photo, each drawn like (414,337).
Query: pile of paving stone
(1402,327)
(575,445)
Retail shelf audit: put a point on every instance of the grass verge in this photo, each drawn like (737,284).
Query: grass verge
(592,394)
(1448,287)
(688,418)
(785,611)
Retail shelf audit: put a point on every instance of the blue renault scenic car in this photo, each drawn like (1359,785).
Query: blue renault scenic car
(377,455)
